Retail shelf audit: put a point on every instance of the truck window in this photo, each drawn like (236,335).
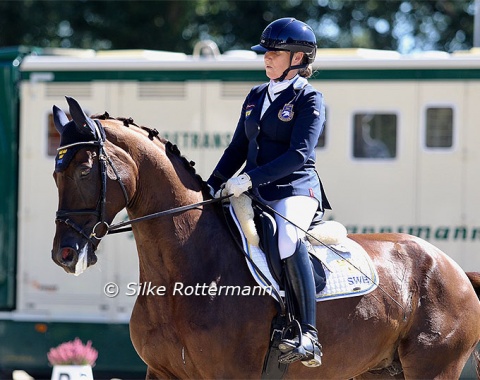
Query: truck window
(439,127)
(374,135)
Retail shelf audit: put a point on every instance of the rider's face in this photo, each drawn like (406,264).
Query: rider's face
(276,62)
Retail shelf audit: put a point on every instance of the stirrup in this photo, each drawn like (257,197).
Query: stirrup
(314,361)
(292,356)
(314,358)
(309,359)
(297,348)
(294,332)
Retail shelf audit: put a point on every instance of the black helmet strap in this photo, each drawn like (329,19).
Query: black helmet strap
(281,78)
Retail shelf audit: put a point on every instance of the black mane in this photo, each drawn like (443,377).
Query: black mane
(169,146)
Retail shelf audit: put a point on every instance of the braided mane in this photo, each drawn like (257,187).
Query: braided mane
(153,133)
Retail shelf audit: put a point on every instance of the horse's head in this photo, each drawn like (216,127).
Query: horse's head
(82,171)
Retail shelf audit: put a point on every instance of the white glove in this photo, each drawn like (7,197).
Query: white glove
(238,185)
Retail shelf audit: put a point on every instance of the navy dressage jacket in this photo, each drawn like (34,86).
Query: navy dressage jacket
(278,147)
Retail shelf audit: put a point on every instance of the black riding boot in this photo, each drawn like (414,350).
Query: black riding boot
(303,345)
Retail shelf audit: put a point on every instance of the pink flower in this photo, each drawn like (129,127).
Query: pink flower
(73,352)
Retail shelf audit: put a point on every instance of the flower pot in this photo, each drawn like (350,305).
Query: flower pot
(72,372)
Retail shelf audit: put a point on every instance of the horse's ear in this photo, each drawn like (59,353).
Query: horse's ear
(59,119)
(83,123)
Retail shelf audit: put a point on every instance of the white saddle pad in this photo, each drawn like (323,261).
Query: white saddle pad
(349,270)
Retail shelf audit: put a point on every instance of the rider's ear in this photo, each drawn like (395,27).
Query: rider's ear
(299,57)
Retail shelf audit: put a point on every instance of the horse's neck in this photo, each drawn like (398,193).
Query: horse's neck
(169,246)
(181,248)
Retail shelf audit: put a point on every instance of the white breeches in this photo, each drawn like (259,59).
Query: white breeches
(298,210)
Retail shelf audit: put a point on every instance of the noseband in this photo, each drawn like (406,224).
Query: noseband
(104,160)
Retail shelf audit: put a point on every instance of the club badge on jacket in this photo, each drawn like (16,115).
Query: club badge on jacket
(286,113)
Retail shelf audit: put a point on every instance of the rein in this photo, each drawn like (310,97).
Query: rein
(117,228)
(104,160)
(62,216)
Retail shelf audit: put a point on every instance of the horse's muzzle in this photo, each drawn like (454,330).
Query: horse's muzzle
(68,257)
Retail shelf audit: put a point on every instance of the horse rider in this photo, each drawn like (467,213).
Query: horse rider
(276,135)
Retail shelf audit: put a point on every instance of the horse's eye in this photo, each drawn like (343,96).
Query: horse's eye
(85,171)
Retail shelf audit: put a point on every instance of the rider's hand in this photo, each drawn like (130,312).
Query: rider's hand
(238,185)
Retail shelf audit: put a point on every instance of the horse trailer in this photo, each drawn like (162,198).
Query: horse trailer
(398,154)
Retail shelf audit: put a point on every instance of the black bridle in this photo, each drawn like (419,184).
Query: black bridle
(63,216)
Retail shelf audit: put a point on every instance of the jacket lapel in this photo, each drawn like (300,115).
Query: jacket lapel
(257,110)
(286,96)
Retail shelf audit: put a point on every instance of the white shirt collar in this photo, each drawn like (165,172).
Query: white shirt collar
(275,88)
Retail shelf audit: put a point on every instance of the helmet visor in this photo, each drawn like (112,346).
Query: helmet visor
(262,48)
(259,49)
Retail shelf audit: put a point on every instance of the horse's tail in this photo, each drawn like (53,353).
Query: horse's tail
(474,278)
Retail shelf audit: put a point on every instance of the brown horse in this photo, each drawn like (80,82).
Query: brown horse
(423,323)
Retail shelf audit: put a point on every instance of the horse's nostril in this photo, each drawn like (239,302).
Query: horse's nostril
(67,254)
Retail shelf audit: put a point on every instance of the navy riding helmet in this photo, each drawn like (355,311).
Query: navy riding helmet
(288,34)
